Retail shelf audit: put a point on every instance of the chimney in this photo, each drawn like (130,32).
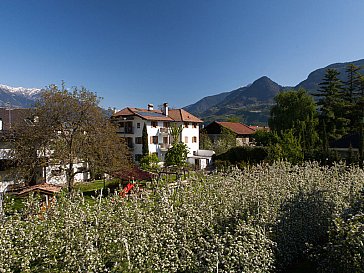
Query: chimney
(150,107)
(165,109)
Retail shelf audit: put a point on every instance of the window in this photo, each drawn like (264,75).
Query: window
(186,124)
(138,140)
(56,172)
(166,124)
(154,139)
(138,125)
(121,124)
(186,139)
(194,139)
(165,140)
(194,125)
(154,124)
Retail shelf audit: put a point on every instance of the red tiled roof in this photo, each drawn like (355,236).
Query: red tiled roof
(237,127)
(173,114)
(183,115)
(44,188)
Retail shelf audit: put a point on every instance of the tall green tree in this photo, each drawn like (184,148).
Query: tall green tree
(287,147)
(68,127)
(225,141)
(332,105)
(352,94)
(205,141)
(296,111)
(177,154)
(145,145)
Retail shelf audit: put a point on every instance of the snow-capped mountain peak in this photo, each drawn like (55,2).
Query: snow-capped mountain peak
(26,92)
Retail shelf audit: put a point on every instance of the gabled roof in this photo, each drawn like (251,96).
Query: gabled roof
(183,115)
(173,114)
(41,188)
(236,127)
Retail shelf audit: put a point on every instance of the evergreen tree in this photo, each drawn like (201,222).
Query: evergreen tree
(332,107)
(145,146)
(352,93)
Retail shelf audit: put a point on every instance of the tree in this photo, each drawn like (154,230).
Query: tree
(264,138)
(176,155)
(149,162)
(332,104)
(145,146)
(226,141)
(205,141)
(287,148)
(296,111)
(69,127)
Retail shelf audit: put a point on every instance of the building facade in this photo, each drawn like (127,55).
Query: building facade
(242,132)
(158,123)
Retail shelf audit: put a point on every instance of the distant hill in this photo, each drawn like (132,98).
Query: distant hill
(18,97)
(251,104)
(311,84)
(206,103)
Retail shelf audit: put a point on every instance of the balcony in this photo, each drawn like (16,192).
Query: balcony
(164,147)
(125,130)
(164,131)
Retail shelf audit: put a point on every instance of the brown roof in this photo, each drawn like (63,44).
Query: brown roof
(42,188)
(183,115)
(237,127)
(173,114)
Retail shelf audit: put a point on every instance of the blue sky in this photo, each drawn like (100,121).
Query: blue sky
(136,52)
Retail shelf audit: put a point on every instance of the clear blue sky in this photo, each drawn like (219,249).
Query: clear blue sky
(135,52)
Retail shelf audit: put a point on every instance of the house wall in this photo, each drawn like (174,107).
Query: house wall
(242,141)
(54,174)
(191,132)
(157,131)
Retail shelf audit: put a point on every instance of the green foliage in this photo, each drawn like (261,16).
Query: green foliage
(145,146)
(296,111)
(264,138)
(176,132)
(205,141)
(333,107)
(226,141)
(176,155)
(149,162)
(287,148)
(251,155)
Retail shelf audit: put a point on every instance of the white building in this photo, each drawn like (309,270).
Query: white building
(131,121)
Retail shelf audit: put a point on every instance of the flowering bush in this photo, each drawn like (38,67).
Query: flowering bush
(228,222)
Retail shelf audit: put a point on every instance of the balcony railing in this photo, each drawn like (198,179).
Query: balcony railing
(125,130)
(164,131)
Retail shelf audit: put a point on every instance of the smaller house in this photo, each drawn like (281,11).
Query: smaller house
(201,159)
(242,132)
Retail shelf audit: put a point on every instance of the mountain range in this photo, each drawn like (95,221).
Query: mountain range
(18,97)
(251,104)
